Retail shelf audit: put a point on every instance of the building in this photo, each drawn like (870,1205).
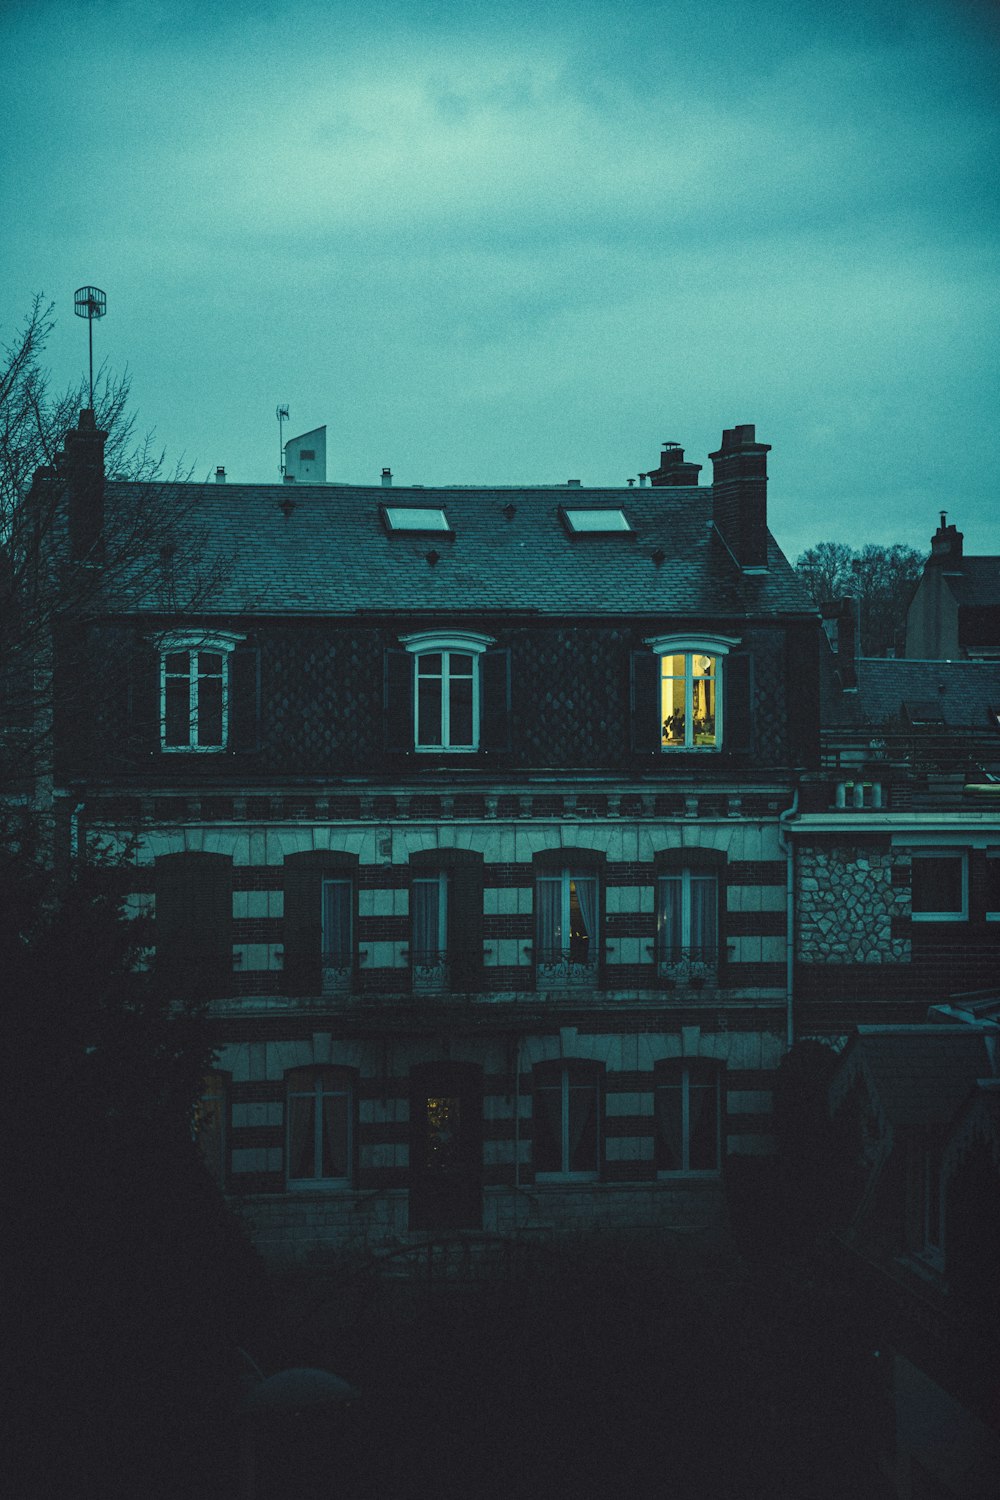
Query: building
(955,612)
(499,828)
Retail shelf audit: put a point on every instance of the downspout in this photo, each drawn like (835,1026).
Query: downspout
(787,848)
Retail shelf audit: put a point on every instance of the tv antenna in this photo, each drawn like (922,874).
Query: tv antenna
(281,412)
(90,302)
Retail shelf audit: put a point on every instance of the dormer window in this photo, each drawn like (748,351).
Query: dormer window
(690,690)
(446,689)
(195,689)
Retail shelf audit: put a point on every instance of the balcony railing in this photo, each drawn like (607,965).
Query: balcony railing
(337,974)
(430,970)
(696,967)
(565,966)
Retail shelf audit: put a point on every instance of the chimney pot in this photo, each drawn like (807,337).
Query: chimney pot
(387,476)
(220,475)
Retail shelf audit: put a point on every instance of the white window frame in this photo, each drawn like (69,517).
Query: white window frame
(563,1174)
(318,1093)
(464,643)
(563,968)
(933,852)
(661,1081)
(193,642)
(718,648)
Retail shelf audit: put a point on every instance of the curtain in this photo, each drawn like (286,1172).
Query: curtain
(670,934)
(301,1125)
(335,1135)
(586,895)
(337,923)
(704,935)
(426,919)
(549,917)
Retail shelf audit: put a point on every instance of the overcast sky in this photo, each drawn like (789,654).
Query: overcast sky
(523,243)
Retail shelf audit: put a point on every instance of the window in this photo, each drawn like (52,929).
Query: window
(681,687)
(566,1125)
(429,931)
(940,889)
(337,899)
(688,1117)
(210,1119)
(446,920)
(195,689)
(319,1127)
(992,885)
(567,926)
(320,922)
(415,518)
(446,690)
(594,520)
(687,926)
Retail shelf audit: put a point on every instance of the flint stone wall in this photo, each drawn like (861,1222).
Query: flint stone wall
(846,906)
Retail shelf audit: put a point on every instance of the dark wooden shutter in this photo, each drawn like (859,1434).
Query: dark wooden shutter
(398,699)
(244,699)
(494,700)
(193,927)
(465,924)
(644,702)
(143,701)
(738,728)
(303,926)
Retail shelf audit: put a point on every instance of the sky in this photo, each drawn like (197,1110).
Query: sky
(523,243)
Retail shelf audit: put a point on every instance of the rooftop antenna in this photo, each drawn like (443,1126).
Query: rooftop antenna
(90,302)
(281,412)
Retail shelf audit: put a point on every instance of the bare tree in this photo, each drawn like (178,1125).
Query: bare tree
(150,550)
(882,579)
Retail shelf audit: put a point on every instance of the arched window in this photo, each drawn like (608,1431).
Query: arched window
(447,692)
(446,920)
(195,688)
(688,1115)
(567,1119)
(690,892)
(691,693)
(319,1127)
(568,925)
(320,922)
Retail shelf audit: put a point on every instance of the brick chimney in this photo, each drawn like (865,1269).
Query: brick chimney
(946,545)
(739,495)
(83,467)
(674,468)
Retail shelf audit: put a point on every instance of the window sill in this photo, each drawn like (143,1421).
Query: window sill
(192,749)
(314,1185)
(554,1178)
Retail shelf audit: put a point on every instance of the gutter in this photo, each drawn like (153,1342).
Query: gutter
(788,850)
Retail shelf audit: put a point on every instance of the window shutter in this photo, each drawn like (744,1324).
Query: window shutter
(465,925)
(143,701)
(398,699)
(303,927)
(738,727)
(643,704)
(193,927)
(494,700)
(244,699)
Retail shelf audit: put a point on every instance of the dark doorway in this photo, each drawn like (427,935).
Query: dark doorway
(446,1146)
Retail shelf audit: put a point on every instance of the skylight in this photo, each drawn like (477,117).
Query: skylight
(415,518)
(593,520)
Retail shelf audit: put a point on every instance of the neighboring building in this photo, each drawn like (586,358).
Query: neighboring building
(955,612)
(305,458)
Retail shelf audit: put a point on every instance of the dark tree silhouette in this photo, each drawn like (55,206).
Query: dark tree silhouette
(882,579)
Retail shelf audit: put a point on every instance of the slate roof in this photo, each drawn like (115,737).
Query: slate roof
(922,1074)
(962,692)
(331,553)
(978,584)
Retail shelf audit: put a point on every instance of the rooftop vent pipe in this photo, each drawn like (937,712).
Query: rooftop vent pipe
(387,477)
(220,475)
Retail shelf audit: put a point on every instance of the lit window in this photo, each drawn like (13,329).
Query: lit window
(593,520)
(940,886)
(415,518)
(446,690)
(690,691)
(566,904)
(566,1124)
(687,926)
(688,1117)
(194,689)
(318,1126)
